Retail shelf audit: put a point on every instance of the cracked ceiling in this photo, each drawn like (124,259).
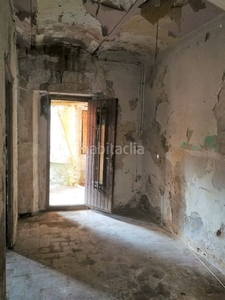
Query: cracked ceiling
(114,25)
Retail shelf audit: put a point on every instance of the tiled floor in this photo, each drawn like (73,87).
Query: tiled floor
(88,255)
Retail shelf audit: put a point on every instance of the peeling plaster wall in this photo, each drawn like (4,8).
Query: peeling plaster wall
(184,163)
(74,72)
(40,22)
(7,46)
(67,21)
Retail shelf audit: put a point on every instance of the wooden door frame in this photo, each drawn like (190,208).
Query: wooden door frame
(9,163)
(47,99)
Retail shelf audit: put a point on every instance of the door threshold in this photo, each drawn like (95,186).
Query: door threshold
(68,207)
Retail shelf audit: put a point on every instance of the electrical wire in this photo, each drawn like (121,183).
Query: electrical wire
(106,38)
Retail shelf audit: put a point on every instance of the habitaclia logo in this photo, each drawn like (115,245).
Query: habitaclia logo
(132,148)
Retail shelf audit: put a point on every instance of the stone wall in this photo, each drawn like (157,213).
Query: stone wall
(66,70)
(184,167)
(8,54)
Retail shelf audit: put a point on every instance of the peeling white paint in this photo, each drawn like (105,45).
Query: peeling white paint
(194,201)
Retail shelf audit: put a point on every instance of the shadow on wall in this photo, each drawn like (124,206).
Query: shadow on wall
(154,212)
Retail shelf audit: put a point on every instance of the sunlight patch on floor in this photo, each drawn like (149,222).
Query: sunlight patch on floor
(66,195)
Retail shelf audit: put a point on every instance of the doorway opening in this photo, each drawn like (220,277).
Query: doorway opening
(68,139)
